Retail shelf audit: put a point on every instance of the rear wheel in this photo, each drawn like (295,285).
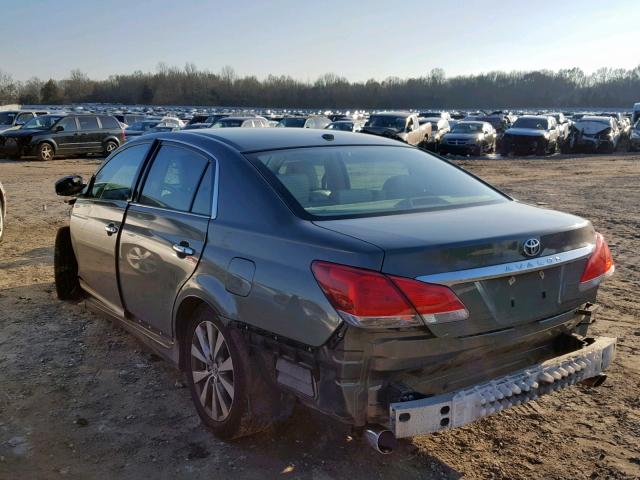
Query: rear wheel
(229,389)
(65,267)
(109,147)
(45,152)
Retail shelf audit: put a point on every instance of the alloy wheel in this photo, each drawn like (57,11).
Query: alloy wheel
(111,147)
(46,151)
(212,370)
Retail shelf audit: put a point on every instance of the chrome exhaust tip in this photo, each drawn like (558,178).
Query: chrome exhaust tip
(594,381)
(381,439)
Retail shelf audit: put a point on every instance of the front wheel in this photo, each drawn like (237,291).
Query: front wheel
(230,391)
(45,152)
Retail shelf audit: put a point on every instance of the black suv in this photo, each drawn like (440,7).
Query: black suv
(61,134)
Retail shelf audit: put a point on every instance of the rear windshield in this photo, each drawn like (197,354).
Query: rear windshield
(348,181)
(292,122)
(6,118)
(387,121)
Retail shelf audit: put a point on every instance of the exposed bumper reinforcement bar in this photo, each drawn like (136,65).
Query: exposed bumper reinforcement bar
(461,407)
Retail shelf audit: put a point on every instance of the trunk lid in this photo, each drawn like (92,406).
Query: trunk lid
(478,252)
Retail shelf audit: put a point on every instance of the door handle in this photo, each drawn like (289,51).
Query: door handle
(111,229)
(183,249)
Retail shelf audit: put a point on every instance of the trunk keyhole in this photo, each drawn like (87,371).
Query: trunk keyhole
(513,303)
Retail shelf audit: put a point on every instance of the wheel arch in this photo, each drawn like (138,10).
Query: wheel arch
(50,141)
(186,304)
(112,138)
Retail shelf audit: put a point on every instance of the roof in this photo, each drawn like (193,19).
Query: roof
(257,139)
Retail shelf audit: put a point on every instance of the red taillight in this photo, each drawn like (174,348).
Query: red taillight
(124,136)
(600,264)
(370,299)
(435,303)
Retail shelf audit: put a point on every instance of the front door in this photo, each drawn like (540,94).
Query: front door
(164,234)
(96,220)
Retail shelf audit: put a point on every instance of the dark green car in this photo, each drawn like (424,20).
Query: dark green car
(352,273)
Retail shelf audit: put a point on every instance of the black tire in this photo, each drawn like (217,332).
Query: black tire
(256,402)
(65,267)
(109,147)
(45,152)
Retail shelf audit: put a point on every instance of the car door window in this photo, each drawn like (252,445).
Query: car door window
(24,118)
(173,178)
(88,123)
(115,180)
(68,124)
(204,197)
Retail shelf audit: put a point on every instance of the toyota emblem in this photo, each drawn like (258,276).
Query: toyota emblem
(531,247)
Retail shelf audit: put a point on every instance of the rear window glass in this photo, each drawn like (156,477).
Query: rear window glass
(88,123)
(109,122)
(340,182)
(173,178)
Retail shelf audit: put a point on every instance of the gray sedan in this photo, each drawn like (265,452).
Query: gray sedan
(352,273)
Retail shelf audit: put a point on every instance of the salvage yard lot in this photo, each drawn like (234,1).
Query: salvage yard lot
(82,399)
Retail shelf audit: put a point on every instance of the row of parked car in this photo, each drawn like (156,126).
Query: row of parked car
(45,134)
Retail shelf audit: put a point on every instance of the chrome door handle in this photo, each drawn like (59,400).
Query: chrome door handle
(111,229)
(183,250)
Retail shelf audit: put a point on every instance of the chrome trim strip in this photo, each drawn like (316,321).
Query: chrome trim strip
(507,269)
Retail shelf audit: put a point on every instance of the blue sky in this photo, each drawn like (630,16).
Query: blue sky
(358,40)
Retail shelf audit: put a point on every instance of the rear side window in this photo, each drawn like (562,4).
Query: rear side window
(68,124)
(204,197)
(114,181)
(173,178)
(109,123)
(88,123)
(347,181)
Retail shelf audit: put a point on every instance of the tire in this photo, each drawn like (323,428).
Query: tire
(65,267)
(245,401)
(45,152)
(109,147)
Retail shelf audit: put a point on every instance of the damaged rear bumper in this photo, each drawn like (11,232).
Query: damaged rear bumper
(464,406)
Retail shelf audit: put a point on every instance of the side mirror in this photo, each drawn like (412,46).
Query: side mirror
(69,186)
(59,128)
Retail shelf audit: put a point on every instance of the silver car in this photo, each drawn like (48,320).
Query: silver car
(352,273)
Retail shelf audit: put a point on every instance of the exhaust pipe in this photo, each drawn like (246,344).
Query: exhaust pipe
(594,381)
(381,439)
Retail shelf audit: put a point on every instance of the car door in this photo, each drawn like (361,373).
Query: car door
(67,138)
(164,234)
(90,134)
(96,220)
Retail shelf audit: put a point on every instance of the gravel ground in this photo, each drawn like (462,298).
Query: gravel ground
(80,398)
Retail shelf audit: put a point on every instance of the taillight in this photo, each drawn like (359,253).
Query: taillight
(365,298)
(124,136)
(434,303)
(599,266)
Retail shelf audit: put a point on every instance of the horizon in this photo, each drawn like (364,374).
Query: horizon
(285,39)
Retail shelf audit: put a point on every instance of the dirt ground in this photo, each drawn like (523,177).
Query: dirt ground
(80,398)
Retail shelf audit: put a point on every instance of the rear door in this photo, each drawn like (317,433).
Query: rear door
(165,233)
(68,138)
(96,220)
(90,134)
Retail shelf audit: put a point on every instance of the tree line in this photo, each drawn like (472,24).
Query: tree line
(606,87)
